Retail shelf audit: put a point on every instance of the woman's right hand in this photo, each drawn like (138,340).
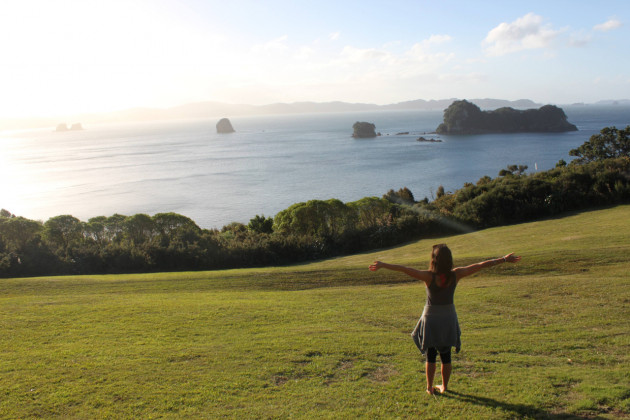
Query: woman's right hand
(511,258)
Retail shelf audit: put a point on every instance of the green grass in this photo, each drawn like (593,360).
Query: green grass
(545,338)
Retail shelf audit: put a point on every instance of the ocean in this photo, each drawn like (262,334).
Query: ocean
(269,163)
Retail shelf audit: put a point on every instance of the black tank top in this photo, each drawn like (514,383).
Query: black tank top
(441,289)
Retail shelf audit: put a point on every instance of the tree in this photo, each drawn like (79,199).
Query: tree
(261,224)
(609,143)
(328,218)
(95,229)
(307,218)
(167,223)
(402,196)
(139,228)
(114,227)
(61,231)
(339,218)
(440,192)
(513,170)
(16,232)
(370,210)
(484,180)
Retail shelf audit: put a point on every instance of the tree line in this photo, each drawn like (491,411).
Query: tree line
(317,228)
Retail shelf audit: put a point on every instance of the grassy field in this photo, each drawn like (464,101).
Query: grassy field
(546,338)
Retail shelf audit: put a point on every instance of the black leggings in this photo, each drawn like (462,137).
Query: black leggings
(432,353)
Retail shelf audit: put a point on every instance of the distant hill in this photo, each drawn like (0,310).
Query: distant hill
(202,109)
(442,104)
(624,102)
(210,109)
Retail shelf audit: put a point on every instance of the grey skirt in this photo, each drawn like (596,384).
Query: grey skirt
(438,327)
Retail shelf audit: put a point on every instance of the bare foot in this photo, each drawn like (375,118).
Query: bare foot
(430,391)
(441,389)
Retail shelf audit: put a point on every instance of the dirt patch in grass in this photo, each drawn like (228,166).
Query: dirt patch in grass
(382,374)
(279,380)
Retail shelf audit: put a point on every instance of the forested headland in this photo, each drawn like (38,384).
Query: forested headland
(318,228)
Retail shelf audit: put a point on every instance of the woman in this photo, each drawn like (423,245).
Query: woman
(438,328)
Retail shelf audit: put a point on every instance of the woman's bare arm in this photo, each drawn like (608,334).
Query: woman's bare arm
(422,275)
(462,272)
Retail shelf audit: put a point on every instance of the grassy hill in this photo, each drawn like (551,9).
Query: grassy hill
(545,338)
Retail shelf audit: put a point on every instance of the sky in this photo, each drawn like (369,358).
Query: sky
(64,57)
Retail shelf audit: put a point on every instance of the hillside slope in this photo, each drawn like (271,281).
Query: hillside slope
(545,338)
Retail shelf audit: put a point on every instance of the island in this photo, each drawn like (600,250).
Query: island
(224,126)
(463,117)
(429,140)
(363,129)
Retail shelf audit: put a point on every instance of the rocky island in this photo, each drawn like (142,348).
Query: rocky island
(363,130)
(463,117)
(429,140)
(224,126)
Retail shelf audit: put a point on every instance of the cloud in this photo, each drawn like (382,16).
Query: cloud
(279,69)
(437,39)
(525,33)
(276,45)
(579,40)
(352,55)
(304,53)
(609,25)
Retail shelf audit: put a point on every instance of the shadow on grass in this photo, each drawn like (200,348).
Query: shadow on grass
(518,410)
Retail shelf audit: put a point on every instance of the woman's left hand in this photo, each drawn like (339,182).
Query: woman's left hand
(375,265)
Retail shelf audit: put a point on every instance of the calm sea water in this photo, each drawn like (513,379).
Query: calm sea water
(269,163)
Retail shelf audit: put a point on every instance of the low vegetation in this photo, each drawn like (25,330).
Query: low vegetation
(545,338)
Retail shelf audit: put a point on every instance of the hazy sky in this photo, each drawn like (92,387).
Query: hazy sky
(59,57)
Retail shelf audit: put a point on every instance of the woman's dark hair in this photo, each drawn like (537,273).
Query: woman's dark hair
(441,259)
